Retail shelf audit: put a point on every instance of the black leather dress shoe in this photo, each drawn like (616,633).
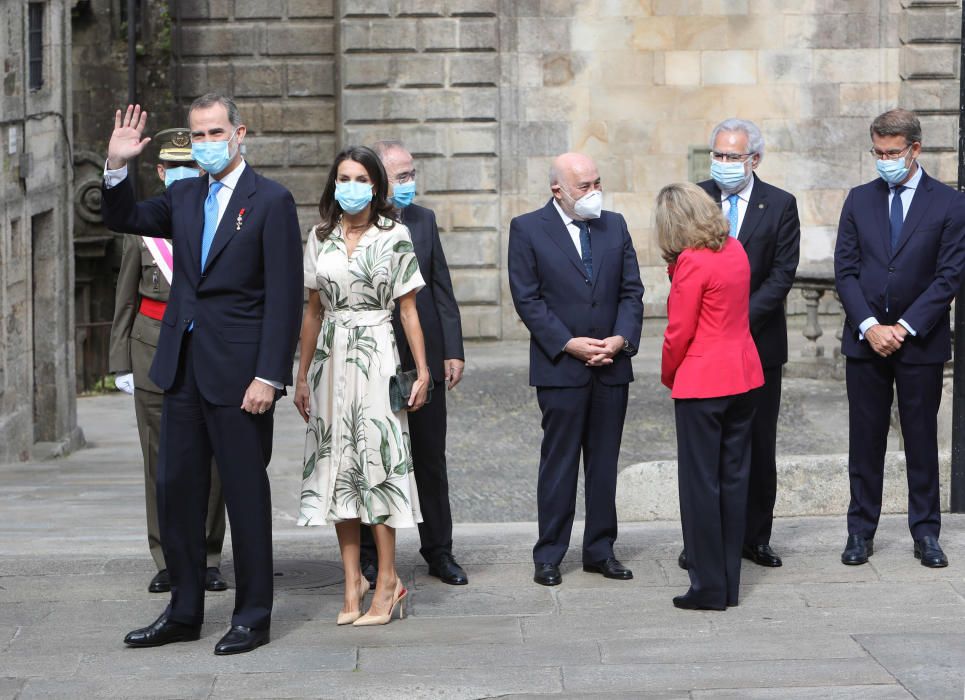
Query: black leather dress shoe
(682,560)
(445,568)
(687,602)
(548,575)
(761,554)
(930,552)
(240,639)
(213,580)
(161,583)
(162,631)
(610,568)
(371,572)
(857,550)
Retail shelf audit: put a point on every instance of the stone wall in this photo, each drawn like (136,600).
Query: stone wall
(36,271)
(428,72)
(277,58)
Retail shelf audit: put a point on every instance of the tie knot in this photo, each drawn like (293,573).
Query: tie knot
(215,187)
(733,199)
(582,225)
(899,189)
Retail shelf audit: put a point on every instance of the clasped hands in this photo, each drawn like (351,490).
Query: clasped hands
(886,340)
(594,352)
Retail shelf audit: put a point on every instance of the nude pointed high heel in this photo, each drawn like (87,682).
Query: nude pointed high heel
(347,618)
(397,599)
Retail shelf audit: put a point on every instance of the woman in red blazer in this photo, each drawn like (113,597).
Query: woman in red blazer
(710,364)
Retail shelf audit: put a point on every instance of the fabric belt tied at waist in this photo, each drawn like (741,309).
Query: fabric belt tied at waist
(359,319)
(152,308)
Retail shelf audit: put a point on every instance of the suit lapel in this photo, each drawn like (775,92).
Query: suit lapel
(228,225)
(879,205)
(556,230)
(193,215)
(755,212)
(598,248)
(919,203)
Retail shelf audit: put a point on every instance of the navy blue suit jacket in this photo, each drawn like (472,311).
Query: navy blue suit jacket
(436,303)
(247,304)
(771,236)
(916,282)
(556,302)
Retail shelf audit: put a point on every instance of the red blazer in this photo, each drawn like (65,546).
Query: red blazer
(707,347)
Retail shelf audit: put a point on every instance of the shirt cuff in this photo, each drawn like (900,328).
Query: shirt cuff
(112,178)
(274,385)
(865,325)
(911,331)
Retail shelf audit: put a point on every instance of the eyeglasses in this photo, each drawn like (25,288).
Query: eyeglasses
(730,157)
(893,154)
(403,178)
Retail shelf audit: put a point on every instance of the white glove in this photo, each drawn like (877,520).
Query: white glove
(125,382)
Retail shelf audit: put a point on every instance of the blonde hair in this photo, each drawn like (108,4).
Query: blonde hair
(688,218)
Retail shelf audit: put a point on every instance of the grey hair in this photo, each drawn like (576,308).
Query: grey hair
(385,145)
(755,140)
(554,174)
(213,98)
(897,122)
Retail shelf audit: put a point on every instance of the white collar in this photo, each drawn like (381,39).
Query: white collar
(231,179)
(744,194)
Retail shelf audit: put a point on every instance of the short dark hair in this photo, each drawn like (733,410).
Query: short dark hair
(330,210)
(213,98)
(897,122)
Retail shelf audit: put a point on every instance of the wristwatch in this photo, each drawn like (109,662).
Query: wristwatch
(628,348)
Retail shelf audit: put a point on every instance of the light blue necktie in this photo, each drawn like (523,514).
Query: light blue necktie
(210,221)
(585,253)
(732,214)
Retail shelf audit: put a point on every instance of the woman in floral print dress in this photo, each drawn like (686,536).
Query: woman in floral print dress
(358,460)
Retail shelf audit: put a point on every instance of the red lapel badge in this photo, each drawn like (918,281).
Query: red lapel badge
(239,220)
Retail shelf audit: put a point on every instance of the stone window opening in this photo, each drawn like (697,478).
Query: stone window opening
(35,45)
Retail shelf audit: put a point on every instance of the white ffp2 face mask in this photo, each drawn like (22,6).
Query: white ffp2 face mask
(588,206)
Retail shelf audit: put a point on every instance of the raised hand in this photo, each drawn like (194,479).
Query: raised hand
(126,141)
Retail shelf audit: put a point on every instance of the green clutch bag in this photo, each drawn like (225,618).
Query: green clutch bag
(400,388)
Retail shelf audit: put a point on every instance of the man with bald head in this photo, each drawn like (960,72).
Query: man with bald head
(576,285)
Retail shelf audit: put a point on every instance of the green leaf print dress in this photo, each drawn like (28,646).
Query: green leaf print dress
(358,459)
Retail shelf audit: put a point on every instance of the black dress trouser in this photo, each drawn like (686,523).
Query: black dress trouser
(713,466)
(762,488)
(427,433)
(871,386)
(192,429)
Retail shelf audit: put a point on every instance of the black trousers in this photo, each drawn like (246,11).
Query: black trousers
(762,489)
(871,386)
(192,429)
(588,421)
(713,466)
(427,432)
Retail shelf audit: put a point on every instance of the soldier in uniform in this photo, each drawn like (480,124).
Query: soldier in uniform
(143,285)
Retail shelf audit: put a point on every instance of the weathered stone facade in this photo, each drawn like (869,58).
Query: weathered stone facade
(485,92)
(36,263)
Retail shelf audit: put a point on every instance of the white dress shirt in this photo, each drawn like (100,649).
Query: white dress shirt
(744,197)
(112,178)
(571,227)
(906,196)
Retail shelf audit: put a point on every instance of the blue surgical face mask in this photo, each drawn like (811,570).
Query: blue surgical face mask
(353,196)
(179,173)
(730,177)
(213,156)
(893,171)
(403,194)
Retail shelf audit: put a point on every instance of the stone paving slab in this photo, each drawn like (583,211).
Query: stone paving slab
(933,671)
(73,581)
(854,692)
